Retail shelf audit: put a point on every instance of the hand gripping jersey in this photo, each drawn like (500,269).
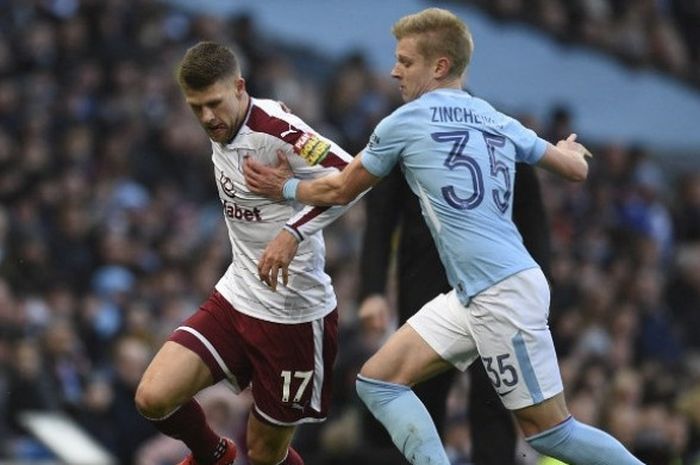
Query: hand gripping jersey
(253,220)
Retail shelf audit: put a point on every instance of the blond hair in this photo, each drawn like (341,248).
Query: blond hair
(441,33)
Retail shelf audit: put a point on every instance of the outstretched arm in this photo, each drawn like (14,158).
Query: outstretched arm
(336,189)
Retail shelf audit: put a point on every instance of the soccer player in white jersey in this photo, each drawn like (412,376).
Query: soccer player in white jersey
(280,339)
(458,155)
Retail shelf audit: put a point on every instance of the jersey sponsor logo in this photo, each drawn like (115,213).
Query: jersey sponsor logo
(236,212)
(312,148)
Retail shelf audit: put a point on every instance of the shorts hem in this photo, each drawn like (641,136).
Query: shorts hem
(461,366)
(529,403)
(265,418)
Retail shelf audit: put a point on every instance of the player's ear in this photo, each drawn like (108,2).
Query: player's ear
(442,68)
(240,86)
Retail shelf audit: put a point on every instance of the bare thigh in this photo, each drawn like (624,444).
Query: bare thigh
(174,376)
(404,359)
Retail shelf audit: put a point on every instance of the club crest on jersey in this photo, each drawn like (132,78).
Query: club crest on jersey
(312,148)
(227,186)
(373,140)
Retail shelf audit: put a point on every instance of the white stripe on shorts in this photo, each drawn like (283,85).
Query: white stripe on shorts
(284,423)
(212,350)
(316,389)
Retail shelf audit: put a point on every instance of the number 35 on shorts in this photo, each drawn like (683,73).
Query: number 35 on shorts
(500,370)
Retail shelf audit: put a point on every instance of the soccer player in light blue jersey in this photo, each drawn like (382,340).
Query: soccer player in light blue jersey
(458,155)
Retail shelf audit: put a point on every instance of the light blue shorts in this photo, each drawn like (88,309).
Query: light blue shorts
(506,326)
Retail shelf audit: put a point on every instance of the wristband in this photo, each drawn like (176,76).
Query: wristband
(289,189)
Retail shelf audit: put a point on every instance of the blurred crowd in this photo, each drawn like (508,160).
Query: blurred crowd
(111,234)
(664,34)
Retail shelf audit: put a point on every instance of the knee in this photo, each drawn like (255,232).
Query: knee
(373,370)
(151,402)
(362,387)
(376,393)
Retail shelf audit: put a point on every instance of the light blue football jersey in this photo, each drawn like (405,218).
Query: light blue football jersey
(458,155)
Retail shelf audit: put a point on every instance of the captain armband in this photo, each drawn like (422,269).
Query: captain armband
(312,148)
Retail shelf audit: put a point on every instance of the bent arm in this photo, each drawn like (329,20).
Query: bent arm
(337,189)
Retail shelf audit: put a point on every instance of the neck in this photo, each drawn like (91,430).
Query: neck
(245,100)
(240,117)
(243,109)
(453,83)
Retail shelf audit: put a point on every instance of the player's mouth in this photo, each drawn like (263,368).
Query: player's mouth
(218,130)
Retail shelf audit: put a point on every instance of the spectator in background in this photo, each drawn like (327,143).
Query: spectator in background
(687,214)
(660,34)
(28,387)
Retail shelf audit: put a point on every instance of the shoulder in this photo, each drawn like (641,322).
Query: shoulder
(268,116)
(402,118)
(413,109)
(487,111)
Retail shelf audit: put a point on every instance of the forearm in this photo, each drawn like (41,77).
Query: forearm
(325,191)
(335,189)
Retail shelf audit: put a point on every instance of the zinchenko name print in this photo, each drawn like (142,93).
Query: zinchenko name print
(459,115)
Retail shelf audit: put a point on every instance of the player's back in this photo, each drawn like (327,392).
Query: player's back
(458,155)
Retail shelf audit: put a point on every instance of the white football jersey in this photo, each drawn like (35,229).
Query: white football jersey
(253,220)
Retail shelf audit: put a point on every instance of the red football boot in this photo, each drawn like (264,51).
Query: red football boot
(226,459)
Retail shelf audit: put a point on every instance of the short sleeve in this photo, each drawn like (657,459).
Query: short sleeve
(384,148)
(529,147)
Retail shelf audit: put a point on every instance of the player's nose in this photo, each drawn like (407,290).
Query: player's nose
(207,115)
